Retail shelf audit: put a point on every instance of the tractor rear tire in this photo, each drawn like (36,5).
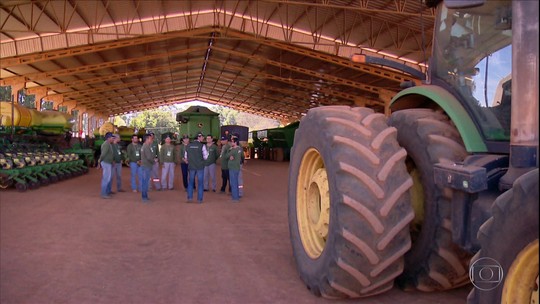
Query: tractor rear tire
(434,263)
(510,238)
(349,210)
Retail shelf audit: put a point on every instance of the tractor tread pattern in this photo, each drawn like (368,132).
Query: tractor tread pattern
(443,265)
(370,236)
(511,213)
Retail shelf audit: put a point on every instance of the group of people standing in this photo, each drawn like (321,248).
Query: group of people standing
(197,160)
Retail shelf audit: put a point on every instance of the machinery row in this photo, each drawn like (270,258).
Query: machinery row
(31,148)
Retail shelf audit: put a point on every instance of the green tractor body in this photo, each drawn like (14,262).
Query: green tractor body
(275,143)
(198,119)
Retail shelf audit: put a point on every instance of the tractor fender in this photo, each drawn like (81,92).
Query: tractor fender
(470,134)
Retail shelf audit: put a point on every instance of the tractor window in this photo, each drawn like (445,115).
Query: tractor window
(492,88)
(473,55)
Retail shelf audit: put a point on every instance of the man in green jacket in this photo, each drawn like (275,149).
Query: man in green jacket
(147,160)
(134,157)
(116,165)
(196,154)
(166,159)
(210,164)
(155,167)
(240,174)
(105,162)
(234,155)
(183,160)
(224,164)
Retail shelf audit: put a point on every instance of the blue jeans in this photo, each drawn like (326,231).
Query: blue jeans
(136,173)
(191,183)
(154,174)
(116,172)
(184,168)
(105,178)
(224,178)
(240,182)
(233,175)
(145,181)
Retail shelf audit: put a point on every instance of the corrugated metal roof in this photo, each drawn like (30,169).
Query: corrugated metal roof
(269,57)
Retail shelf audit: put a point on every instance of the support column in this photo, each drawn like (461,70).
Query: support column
(70,105)
(360,101)
(386,96)
(39,92)
(15,88)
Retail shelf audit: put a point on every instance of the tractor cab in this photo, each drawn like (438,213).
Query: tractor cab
(472,53)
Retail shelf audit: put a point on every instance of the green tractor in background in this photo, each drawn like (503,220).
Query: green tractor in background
(275,143)
(198,119)
(442,193)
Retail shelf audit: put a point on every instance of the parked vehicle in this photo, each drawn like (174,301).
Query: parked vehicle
(451,173)
(274,143)
(198,119)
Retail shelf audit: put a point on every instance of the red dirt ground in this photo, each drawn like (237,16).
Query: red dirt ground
(64,244)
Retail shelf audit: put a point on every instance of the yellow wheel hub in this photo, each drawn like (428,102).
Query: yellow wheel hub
(417,200)
(521,284)
(313,203)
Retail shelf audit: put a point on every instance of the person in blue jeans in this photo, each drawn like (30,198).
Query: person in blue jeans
(234,156)
(116,165)
(147,160)
(105,162)
(196,154)
(183,161)
(134,157)
(154,173)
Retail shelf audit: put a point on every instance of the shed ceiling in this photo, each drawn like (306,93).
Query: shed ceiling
(267,57)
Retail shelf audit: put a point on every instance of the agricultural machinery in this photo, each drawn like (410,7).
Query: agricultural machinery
(442,193)
(274,143)
(198,119)
(30,156)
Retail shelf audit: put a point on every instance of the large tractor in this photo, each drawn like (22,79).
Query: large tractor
(442,193)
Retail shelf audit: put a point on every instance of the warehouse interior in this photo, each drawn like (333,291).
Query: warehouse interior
(274,58)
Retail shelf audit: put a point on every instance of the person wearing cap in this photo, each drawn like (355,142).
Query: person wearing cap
(155,174)
(196,154)
(166,159)
(183,161)
(147,161)
(210,164)
(225,146)
(105,162)
(116,165)
(134,157)
(234,155)
(240,174)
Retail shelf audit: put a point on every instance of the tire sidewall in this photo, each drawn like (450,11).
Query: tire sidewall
(306,137)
